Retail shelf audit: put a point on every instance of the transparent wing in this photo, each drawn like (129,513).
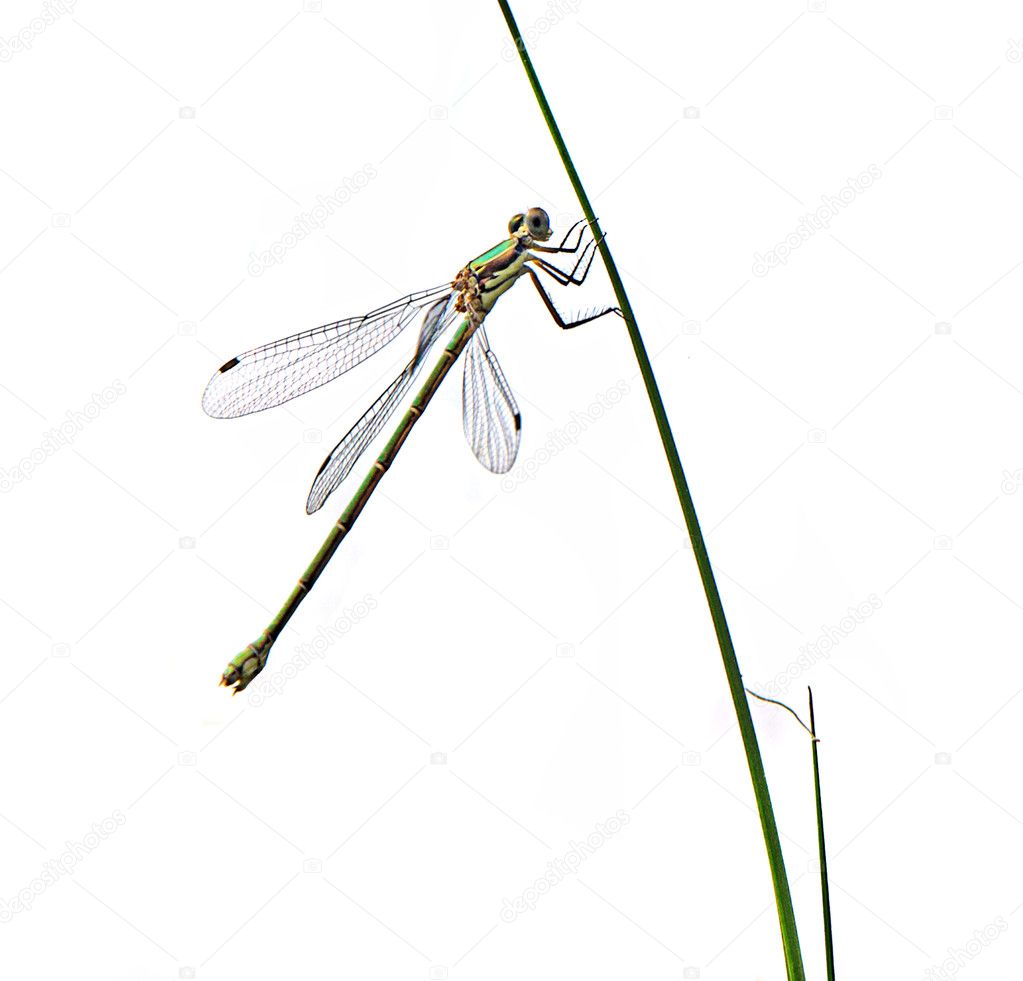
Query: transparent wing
(489,413)
(274,373)
(343,457)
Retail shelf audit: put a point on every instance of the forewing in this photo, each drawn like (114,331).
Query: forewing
(489,413)
(343,457)
(274,373)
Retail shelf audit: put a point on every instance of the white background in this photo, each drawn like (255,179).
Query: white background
(551,639)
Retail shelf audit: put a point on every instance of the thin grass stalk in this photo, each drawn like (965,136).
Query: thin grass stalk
(782,895)
(829,946)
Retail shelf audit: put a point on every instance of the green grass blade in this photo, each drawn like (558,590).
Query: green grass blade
(829,946)
(782,895)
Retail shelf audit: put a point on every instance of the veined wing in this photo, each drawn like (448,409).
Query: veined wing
(490,416)
(343,457)
(274,373)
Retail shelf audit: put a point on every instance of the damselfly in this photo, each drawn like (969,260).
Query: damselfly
(274,373)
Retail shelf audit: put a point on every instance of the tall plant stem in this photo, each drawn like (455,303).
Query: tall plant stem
(783,898)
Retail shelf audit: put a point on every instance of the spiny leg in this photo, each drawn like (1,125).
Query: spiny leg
(564,278)
(561,248)
(553,310)
(561,244)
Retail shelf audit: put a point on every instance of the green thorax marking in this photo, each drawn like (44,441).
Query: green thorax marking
(498,269)
(507,245)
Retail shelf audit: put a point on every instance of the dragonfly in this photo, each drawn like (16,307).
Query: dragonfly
(277,372)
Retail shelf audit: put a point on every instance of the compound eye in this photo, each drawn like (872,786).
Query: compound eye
(539,223)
